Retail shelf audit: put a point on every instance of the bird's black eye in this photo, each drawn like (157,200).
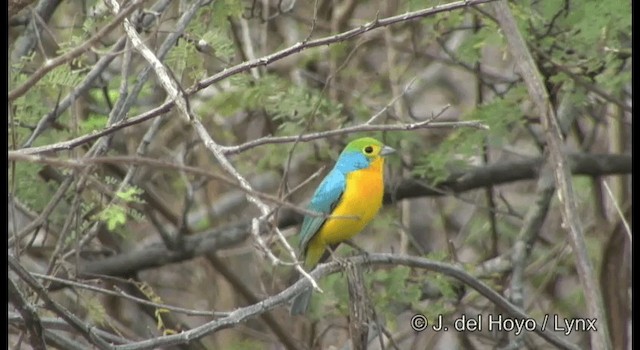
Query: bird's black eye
(368,150)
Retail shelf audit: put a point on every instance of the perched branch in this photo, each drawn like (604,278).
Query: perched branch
(245,290)
(242,314)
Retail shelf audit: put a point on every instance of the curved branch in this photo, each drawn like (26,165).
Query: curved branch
(243,314)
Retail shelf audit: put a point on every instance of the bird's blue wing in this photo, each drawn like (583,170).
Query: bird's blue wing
(326,197)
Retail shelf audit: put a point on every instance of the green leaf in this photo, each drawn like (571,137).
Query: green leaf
(114,216)
(501,115)
(95,122)
(131,194)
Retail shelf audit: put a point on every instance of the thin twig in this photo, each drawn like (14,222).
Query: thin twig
(627,228)
(87,331)
(230,150)
(29,315)
(124,295)
(57,323)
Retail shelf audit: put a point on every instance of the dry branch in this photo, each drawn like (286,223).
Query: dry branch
(533,80)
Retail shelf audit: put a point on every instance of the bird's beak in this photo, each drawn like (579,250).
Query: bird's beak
(386,150)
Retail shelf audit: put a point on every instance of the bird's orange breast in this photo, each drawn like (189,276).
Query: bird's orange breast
(359,203)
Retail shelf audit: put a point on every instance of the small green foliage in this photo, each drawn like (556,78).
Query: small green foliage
(612,79)
(437,255)
(584,36)
(31,190)
(334,300)
(95,310)
(574,300)
(443,22)
(95,122)
(389,289)
(112,92)
(444,285)
(471,49)
(224,9)
(413,5)
(583,187)
(131,194)
(221,43)
(183,58)
(115,214)
(291,106)
(501,115)
(385,220)
(275,156)
(245,344)
(30,110)
(202,224)
(148,291)
(62,76)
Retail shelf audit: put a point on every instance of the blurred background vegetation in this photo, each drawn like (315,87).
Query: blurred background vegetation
(93,224)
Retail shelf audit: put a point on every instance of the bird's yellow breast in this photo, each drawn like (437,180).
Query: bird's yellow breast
(360,202)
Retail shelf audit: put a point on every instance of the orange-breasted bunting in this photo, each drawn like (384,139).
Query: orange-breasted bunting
(349,196)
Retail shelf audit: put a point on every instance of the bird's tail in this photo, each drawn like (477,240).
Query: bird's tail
(300,303)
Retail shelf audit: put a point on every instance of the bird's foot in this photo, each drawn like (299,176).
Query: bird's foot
(337,258)
(356,247)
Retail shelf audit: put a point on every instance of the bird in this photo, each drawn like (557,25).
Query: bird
(348,198)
